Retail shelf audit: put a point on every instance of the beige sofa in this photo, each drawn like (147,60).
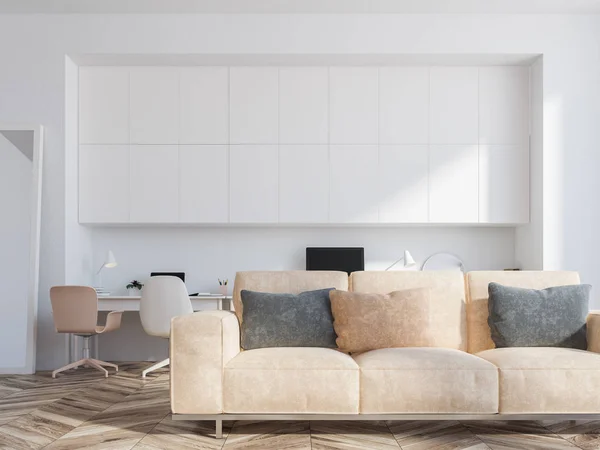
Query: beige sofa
(462,377)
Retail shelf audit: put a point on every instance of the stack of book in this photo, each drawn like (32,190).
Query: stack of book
(101,292)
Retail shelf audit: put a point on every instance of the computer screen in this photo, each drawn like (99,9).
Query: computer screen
(344,259)
(180,275)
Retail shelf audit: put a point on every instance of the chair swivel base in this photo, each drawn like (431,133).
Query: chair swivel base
(95,363)
(158,365)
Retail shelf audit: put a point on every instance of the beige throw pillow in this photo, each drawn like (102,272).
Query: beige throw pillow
(366,322)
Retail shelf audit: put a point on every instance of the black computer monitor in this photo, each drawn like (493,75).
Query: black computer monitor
(344,259)
(180,275)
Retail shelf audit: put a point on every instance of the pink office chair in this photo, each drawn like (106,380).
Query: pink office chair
(75,310)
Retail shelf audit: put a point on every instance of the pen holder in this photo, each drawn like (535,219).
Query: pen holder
(223,289)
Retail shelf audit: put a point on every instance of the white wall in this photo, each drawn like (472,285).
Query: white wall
(208,253)
(32,90)
(529,238)
(15,226)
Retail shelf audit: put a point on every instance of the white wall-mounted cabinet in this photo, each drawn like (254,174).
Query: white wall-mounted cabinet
(453,183)
(203,183)
(303,183)
(104,183)
(154,103)
(453,108)
(404,105)
(503,105)
(353,100)
(503,184)
(353,171)
(103,105)
(303,105)
(254,116)
(204,105)
(254,175)
(154,184)
(304,145)
(403,184)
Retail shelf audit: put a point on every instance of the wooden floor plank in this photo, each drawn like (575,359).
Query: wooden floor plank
(352,434)
(277,435)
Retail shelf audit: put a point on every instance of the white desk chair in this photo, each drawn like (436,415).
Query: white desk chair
(163,298)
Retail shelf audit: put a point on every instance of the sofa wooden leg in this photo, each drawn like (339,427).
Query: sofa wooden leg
(219,429)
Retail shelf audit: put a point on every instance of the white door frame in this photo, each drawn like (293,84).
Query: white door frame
(34,241)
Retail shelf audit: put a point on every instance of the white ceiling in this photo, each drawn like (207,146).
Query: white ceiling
(303,6)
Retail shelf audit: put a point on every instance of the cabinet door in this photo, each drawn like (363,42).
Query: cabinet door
(154,105)
(453,105)
(104,183)
(103,105)
(204,184)
(353,172)
(154,184)
(453,184)
(304,184)
(503,184)
(404,105)
(254,183)
(204,105)
(403,183)
(353,105)
(253,103)
(303,105)
(504,105)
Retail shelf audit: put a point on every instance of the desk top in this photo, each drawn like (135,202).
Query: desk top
(132,302)
(137,297)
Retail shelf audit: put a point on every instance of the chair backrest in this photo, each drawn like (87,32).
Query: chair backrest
(163,298)
(74,308)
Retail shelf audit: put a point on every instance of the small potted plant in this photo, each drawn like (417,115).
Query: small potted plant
(134,288)
(223,287)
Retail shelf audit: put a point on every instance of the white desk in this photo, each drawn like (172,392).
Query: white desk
(132,303)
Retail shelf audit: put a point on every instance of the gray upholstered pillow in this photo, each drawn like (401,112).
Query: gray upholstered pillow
(287,320)
(553,317)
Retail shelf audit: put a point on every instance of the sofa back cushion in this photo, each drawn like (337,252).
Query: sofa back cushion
(447,326)
(477,297)
(285,282)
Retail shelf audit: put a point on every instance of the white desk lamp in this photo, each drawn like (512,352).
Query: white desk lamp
(459,261)
(109,262)
(409,261)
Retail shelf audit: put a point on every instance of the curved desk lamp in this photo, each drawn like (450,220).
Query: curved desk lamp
(456,257)
(109,262)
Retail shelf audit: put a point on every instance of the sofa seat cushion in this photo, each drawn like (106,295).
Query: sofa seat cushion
(426,380)
(546,379)
(291,380)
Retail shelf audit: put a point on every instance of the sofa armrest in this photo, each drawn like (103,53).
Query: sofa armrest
(200,345)
(593,331)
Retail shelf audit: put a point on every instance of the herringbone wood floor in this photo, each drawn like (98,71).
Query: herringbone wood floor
(81,409)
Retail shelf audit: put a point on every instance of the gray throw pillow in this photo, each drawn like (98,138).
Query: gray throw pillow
(287,320)
(553,317)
